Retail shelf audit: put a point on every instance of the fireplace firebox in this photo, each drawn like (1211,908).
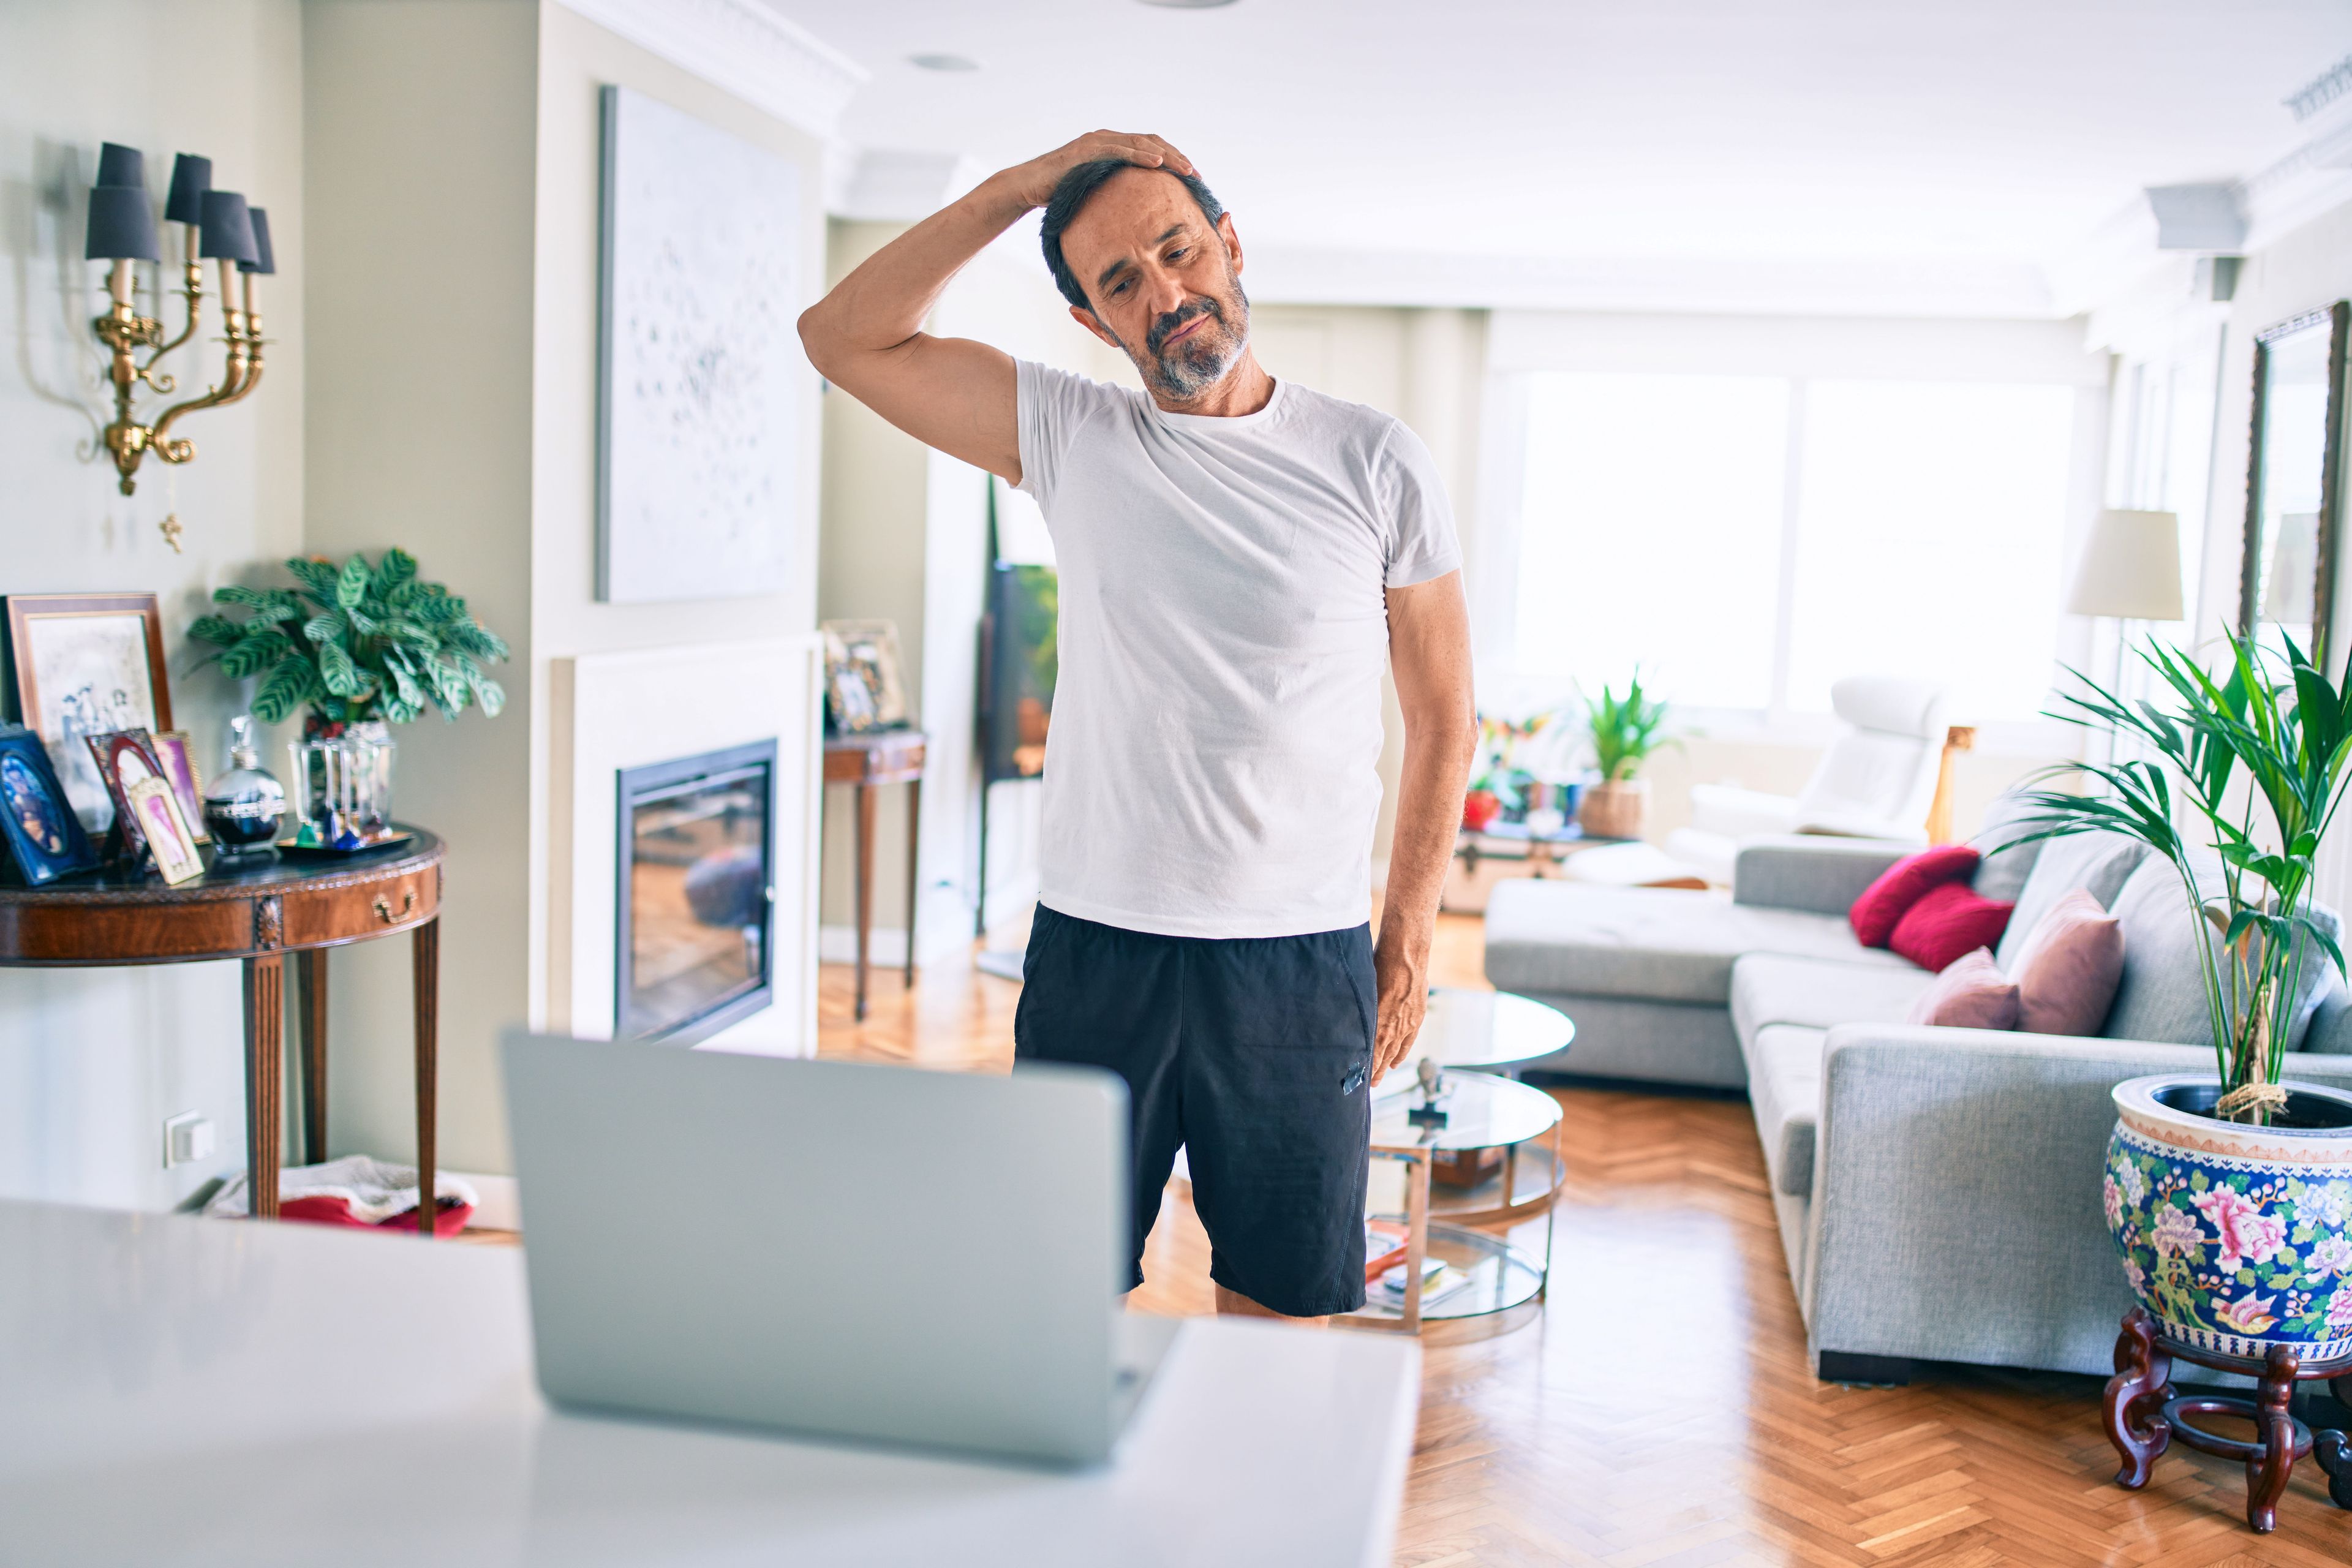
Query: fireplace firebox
(697,896)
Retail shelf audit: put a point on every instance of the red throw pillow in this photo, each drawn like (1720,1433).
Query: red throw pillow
(1947,923)
(1889,899)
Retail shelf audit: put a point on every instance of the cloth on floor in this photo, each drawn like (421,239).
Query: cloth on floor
(356,1189)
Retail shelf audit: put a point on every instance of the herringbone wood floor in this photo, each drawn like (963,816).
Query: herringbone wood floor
(1660,1412)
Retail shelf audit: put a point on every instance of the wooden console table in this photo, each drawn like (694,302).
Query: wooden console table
(864,762)
(258,915)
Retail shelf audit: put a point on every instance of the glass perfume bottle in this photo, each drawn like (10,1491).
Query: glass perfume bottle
(243,806)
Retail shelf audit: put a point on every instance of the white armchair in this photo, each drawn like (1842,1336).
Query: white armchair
(1876,780)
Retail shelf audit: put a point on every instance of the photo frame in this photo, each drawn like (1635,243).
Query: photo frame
(173,749)
(863,689)
(82,665)
(156,808)
(122,758)
(44,837)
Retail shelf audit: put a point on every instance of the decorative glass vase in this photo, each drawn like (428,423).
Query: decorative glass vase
(343,787)
(243,806)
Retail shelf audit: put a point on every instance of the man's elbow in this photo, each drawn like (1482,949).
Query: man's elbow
(819,340)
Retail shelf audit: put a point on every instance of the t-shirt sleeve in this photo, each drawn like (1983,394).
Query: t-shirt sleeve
(1052,407)
(1416,518)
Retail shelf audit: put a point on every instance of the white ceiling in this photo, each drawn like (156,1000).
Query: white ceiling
(1975,143)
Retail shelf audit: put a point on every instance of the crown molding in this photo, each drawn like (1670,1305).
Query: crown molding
(896,185)
(742,47)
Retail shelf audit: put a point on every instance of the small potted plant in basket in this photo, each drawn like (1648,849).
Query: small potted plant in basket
(1625,732)
(2229,1194)
(365,646)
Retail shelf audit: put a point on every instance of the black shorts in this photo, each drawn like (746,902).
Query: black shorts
(1250,1053)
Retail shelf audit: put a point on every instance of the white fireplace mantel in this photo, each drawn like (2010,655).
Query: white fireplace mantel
(615,711)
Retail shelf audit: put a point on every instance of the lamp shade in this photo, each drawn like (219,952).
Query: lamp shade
(2131,570)
(265,260)
(190,177)
(228,227)
(122,225)
(121,165)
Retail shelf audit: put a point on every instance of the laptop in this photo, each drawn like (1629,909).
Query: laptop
(849,1251)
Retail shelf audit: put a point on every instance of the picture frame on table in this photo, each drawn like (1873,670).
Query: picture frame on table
(80,665)
(173,749)
(45,839)
(155,807)
(863,689)
(122,758)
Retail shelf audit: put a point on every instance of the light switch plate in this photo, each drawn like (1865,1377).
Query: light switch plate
(187,1137)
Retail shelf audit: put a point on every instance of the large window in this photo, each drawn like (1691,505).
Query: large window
(1752,539)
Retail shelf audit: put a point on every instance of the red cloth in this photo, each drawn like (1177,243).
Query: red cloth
(1947,923)
(1886,902)
(450,1219)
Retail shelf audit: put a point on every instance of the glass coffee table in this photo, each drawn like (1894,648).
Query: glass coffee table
(1447,1098)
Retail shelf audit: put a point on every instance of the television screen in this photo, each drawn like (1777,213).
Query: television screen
(1021,665)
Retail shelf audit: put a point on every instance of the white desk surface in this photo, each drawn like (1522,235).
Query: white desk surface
(176,1390)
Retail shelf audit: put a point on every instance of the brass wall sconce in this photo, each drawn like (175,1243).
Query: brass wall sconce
(218,226)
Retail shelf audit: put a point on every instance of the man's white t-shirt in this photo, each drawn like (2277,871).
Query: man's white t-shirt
(1211,766)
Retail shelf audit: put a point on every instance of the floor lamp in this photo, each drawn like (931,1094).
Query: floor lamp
(2130,572)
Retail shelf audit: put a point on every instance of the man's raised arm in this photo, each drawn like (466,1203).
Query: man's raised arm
(866,336)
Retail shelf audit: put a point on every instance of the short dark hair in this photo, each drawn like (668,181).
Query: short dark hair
(1071,193)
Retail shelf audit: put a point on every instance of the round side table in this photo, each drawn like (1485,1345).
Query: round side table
(1473,1110)
(257,914)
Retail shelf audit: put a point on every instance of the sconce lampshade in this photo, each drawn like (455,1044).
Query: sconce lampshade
(2131,570)
(121,165)
(266,259)
(190,177)
(122,225)
(228,227)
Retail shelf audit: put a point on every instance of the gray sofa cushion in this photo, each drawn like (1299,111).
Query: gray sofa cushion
(1659,943)
(1784,1085)
(2098,862)
(2007,865)
(2162,996)
(1770,988)
(2329,1033)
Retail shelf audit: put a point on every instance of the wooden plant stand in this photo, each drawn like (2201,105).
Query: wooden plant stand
(2144,1414)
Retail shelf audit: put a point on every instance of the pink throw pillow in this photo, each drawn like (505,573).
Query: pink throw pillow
(1888,900)
(2070,967)
(1970,994)
(1945,922)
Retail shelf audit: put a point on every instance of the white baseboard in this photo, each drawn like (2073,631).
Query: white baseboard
(501,1205)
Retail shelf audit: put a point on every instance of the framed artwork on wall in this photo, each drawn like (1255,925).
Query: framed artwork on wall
(82,665)
(44,837)
(699,432)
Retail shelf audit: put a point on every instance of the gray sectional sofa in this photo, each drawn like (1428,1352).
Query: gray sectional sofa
(1937,1189)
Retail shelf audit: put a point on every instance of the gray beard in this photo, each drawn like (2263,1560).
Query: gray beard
(1186,370)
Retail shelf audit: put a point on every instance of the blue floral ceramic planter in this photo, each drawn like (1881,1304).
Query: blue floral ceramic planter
(2238,1238)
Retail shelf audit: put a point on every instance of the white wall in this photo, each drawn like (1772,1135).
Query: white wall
(421,120)
(462,423)
(91,1062)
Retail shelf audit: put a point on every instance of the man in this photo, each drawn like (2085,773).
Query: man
(1236,555)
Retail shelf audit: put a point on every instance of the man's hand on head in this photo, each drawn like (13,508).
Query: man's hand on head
(1402,976)
(1032,183)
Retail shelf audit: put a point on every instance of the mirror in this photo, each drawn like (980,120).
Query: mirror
(2294,480)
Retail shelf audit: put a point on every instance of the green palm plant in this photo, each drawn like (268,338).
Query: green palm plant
(357,642)
(2290,737)
(1625,730)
